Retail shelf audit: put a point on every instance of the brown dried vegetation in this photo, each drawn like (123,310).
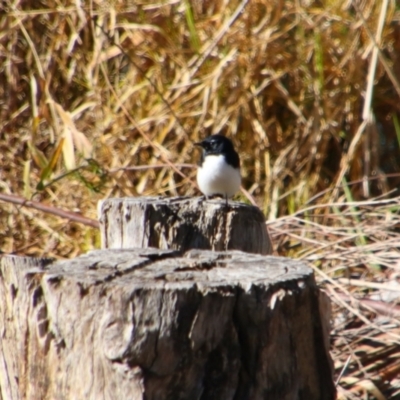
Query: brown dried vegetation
(94,92)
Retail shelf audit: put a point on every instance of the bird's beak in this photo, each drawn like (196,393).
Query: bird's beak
(200,144)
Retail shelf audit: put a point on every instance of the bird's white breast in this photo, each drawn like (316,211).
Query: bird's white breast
(215,176)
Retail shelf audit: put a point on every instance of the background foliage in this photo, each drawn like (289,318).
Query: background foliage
(135,83)
(92,93)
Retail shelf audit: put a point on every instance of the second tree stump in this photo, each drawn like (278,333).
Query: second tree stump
(183,224)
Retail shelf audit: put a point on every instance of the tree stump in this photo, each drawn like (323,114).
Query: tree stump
(167,323)
(161,324)
(183,224)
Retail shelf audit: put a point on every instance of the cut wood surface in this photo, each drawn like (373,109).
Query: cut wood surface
(160,324)
(183,224)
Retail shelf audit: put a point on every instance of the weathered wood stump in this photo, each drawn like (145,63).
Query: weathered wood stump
(158,324)
(183,224)
(168,323)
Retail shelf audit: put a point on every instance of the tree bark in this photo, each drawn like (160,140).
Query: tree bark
(182,224)
(157,324)
(168,323)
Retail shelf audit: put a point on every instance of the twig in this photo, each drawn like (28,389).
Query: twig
(151,166)
(72,216)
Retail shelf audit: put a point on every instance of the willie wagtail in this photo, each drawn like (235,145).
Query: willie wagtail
(219,167)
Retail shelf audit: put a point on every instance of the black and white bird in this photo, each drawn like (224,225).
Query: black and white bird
(219,168)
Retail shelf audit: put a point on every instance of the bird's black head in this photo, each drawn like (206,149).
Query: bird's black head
(219,145)
(216,144)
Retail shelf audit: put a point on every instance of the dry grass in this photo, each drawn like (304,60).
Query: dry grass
(91,96)
(354,248)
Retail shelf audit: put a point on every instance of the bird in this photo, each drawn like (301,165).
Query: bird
(218,173)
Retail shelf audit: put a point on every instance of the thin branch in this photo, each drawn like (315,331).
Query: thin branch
(72,216)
